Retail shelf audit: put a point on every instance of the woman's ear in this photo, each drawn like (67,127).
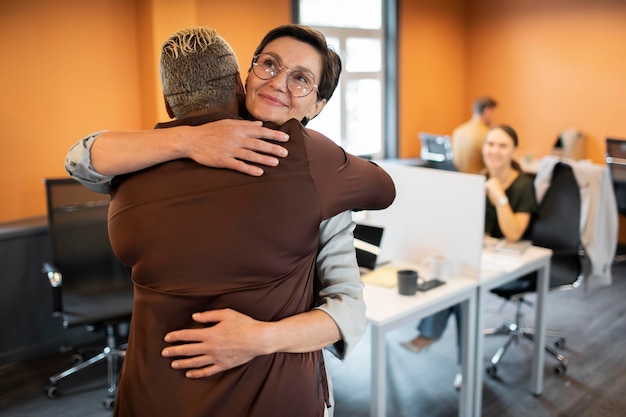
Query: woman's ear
(316,109)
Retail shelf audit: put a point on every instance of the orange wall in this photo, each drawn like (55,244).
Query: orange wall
(431,69)
(552,65)
(68,67)
(244,23)
(71,67)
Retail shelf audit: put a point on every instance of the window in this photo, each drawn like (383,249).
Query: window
(355,117)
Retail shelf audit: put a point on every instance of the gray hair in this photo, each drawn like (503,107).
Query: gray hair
(198,71)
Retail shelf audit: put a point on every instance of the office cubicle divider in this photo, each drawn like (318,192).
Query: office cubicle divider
(435,212)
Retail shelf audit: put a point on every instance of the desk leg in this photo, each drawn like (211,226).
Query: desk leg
(378,401)
(468,365)
(481,293)
(536,378)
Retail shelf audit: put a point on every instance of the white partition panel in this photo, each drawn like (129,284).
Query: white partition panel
(435,212)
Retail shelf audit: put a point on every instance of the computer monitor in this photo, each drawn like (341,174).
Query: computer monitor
(616,162)
(437,151)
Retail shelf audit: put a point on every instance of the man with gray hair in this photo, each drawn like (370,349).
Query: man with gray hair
(199,73)
(244,247)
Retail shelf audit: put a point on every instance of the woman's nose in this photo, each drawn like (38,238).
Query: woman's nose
(281,79)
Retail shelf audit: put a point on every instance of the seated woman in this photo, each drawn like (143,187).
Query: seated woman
(510,205)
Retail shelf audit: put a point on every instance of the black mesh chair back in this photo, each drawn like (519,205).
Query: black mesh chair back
(96,287)
(90,287)
(557,227)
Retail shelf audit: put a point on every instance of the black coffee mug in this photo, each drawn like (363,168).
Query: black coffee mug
(407,282)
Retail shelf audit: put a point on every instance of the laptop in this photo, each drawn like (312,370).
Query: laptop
(436,148)
(436,151)
(367,244)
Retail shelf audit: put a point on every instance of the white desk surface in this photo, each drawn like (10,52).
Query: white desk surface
(385,306)
(497,268)
(386,309)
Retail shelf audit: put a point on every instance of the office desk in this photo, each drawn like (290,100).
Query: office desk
(498,269)
(387,310)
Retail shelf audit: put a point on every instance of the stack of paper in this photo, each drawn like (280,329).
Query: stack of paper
(386,276)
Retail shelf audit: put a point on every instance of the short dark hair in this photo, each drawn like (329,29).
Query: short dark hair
(331,62)
(509,131)
(482,103)
(513,135)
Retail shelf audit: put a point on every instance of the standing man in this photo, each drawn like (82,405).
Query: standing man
(468,138)
(173,224)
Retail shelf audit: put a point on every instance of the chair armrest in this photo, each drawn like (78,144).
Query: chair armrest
(55,278)
(54,275)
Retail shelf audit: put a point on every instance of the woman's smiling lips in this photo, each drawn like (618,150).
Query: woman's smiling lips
(272,100)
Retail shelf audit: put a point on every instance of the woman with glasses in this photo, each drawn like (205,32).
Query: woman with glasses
(289,68)
(292,75)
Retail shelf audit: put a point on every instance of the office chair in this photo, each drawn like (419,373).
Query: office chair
(90,287)
(557,227)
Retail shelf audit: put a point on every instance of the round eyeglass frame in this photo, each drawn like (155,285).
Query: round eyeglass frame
(292,84)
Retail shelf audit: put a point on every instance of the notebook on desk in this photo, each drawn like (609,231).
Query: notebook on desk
(506,247)
(385,276)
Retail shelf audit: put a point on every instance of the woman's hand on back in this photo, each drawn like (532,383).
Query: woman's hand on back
(234,144)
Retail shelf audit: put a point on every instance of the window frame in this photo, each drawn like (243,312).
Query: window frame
(388,74)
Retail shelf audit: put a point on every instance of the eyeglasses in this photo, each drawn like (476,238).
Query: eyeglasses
(299,83)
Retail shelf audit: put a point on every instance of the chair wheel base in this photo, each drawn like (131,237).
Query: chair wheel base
(559,342)
(560,369)
(78,358)
(109,403)
(51,391)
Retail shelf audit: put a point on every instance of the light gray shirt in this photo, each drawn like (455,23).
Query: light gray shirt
(341,292)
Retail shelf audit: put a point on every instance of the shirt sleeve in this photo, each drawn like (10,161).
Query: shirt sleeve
(522,195)
(341,291)
(78,165)
(348,181)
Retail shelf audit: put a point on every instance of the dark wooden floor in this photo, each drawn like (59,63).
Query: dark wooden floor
(419,384)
